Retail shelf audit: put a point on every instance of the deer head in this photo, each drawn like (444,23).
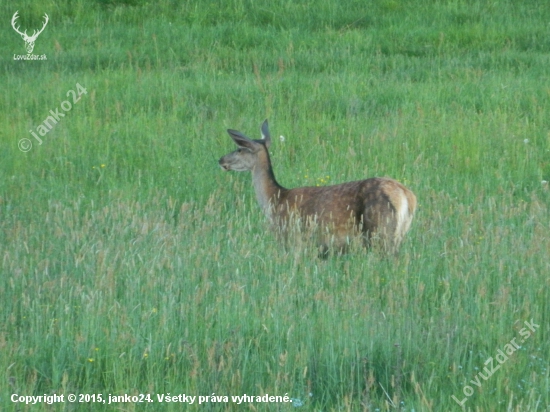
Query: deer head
(29,40)
(247,156)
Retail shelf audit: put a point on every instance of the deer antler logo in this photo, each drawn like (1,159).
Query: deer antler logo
(29,40)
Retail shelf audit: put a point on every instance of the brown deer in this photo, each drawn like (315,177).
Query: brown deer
(380,209)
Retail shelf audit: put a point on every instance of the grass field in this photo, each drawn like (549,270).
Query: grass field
(131,264)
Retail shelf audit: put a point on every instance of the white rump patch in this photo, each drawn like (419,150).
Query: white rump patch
(402,216)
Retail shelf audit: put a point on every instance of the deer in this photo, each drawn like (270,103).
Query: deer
(378,210)
(29,40)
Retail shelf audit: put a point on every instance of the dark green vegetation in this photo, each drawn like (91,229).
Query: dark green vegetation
(130,263)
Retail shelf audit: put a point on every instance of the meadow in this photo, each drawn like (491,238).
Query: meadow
(130,263)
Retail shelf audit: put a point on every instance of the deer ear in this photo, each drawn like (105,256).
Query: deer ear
(265,134)
(240,139)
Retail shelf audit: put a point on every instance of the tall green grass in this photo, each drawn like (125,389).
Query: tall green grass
(131,264)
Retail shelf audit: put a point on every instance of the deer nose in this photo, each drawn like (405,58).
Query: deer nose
(222,164)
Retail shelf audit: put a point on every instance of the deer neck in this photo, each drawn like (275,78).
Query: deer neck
(268,190)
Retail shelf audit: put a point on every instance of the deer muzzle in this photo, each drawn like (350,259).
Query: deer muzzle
(223,164)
